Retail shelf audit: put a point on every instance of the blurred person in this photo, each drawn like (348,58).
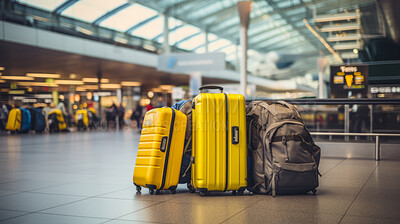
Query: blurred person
(111,114)
(46,110)
(90,104)
(359,117)
(359,122)
(160,102)
(137,115)
(121,116)
(149,107)
(3,116)
(67,116)
(61,106)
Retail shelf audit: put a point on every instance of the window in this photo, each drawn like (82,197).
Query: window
(48,5)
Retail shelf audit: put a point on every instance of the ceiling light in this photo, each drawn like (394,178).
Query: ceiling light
(68,82)
(341,27)
(316,34)
(85,31)
(110,86)
(10,77)
(90,86)
(167,87)
(2,81)
(72,76)
(157,90)
(1,68)
(336,17)
(80,89)
(355,51)
(347,45)
(95,80)
(42,75)
(344,37)
(45,84)
(127,83)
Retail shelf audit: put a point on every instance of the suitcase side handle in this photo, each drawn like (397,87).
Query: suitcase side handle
(211,87)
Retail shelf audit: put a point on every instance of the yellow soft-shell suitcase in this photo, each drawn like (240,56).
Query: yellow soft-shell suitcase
(159,156)
(60,117)
(14,120)
(84,114)
(219,142)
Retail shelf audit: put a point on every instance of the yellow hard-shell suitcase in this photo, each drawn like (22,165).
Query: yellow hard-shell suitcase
(60,117)
(84,114)
(14,120)
(159,156)
(219,142)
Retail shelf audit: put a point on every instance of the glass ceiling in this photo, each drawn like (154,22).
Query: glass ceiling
(141,19)
(128,17)
(48,5)
(275,24)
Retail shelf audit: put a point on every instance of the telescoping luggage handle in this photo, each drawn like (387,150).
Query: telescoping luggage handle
(211,87)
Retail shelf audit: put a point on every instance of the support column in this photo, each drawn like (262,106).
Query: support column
(321,64)
(129,99)
(377,148)
(99,76)
(207,41)
(166,47)
(195,83)
(244,8)
(346,120)
(237,56)
(54,95)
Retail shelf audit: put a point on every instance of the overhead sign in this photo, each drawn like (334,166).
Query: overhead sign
(347,78)
(177,93)
(191,62)
(385,89)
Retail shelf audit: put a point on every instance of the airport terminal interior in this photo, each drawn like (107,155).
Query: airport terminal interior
(307,129)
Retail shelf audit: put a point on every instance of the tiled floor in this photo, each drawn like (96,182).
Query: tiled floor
(86,178)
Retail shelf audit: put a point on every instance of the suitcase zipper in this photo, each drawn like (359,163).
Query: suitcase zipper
(226,141)
(171,130)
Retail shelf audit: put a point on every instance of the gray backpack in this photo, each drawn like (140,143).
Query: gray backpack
(185,106)
(283,158)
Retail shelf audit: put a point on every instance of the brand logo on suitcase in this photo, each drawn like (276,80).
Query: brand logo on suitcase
(148,120)
(163,144)
(235,135)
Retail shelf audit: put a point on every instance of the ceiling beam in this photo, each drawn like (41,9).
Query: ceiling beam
(64,6)
(110,13)
(187,38)
(140,24)
(170,30)
(287,19)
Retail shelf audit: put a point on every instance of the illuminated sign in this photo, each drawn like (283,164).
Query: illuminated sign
(348,78)
(338,80)
(384,89)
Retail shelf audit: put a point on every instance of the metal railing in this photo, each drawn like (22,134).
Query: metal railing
(376,135)
(345,105)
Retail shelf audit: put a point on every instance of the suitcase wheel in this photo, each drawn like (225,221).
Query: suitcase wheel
(151,191)
(173,191)
(202,193)
(138,188)
(191,188)
(240,192)
(314,191)
(233,192)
